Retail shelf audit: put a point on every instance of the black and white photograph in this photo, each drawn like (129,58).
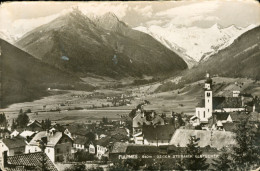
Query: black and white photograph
(130,85)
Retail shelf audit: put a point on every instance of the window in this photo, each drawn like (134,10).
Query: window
(35,149)
(208,100)
(204,114)
(58,150)
(208,94)
(208,110)
(48,150)
(68,149)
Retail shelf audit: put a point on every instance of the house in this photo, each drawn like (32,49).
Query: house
(58,144)
(14,133)
(91,148)
(214,139)
(34,126)
(27,162)
(157,135)
(81,143)
(102,146)
(13,146)
(77,131)
(145,117)
(4,133)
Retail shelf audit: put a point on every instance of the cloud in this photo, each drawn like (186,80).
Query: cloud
(100,8)
(146,11)
(186,15)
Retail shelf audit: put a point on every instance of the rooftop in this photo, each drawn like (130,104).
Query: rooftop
(30,160)
(52,139)
(15,142)
(160,132)
(221,116)
(215,139)
(119,147)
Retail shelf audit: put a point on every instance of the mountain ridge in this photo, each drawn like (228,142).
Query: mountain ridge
(80,39)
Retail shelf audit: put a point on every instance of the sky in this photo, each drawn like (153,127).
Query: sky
(17,18)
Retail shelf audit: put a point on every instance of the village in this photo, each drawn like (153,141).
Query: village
(135,140)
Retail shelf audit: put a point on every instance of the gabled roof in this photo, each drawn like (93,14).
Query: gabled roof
(119,147)
(34,122)
(138,120)
(221,116)
(104,142)
(30,160)
(52,139)
(81,140)
(25,134)
(215,139)
(159,132)
(15,142)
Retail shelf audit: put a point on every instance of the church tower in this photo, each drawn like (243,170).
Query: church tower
(208,97)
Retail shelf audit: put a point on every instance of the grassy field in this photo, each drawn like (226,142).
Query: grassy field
(77,106)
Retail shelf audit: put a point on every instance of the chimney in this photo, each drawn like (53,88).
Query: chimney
(5,163)
(152,114)
(142,114)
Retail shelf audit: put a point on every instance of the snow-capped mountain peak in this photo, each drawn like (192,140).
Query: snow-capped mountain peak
(195,43)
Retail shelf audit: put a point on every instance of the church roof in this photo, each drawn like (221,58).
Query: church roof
(223,102)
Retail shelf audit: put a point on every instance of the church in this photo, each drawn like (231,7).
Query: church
(210,105)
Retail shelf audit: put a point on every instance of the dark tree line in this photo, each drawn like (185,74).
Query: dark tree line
(3,120)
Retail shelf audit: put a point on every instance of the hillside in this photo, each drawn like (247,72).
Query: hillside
(25,78)
(103,46)
(240,59)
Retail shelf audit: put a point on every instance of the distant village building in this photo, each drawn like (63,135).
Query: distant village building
(81,143)
(102,146)
(144,117)
(4,133)
(57,147)
(34,125)
(14,133)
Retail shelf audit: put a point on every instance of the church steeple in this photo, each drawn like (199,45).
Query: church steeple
(208,97)
(208,82)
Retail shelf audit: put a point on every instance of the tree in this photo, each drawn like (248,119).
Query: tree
(223,161)
(245,153)
(3,120)
(76,167)
(14,125)
(22,120)
(195,160)
(105,120)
